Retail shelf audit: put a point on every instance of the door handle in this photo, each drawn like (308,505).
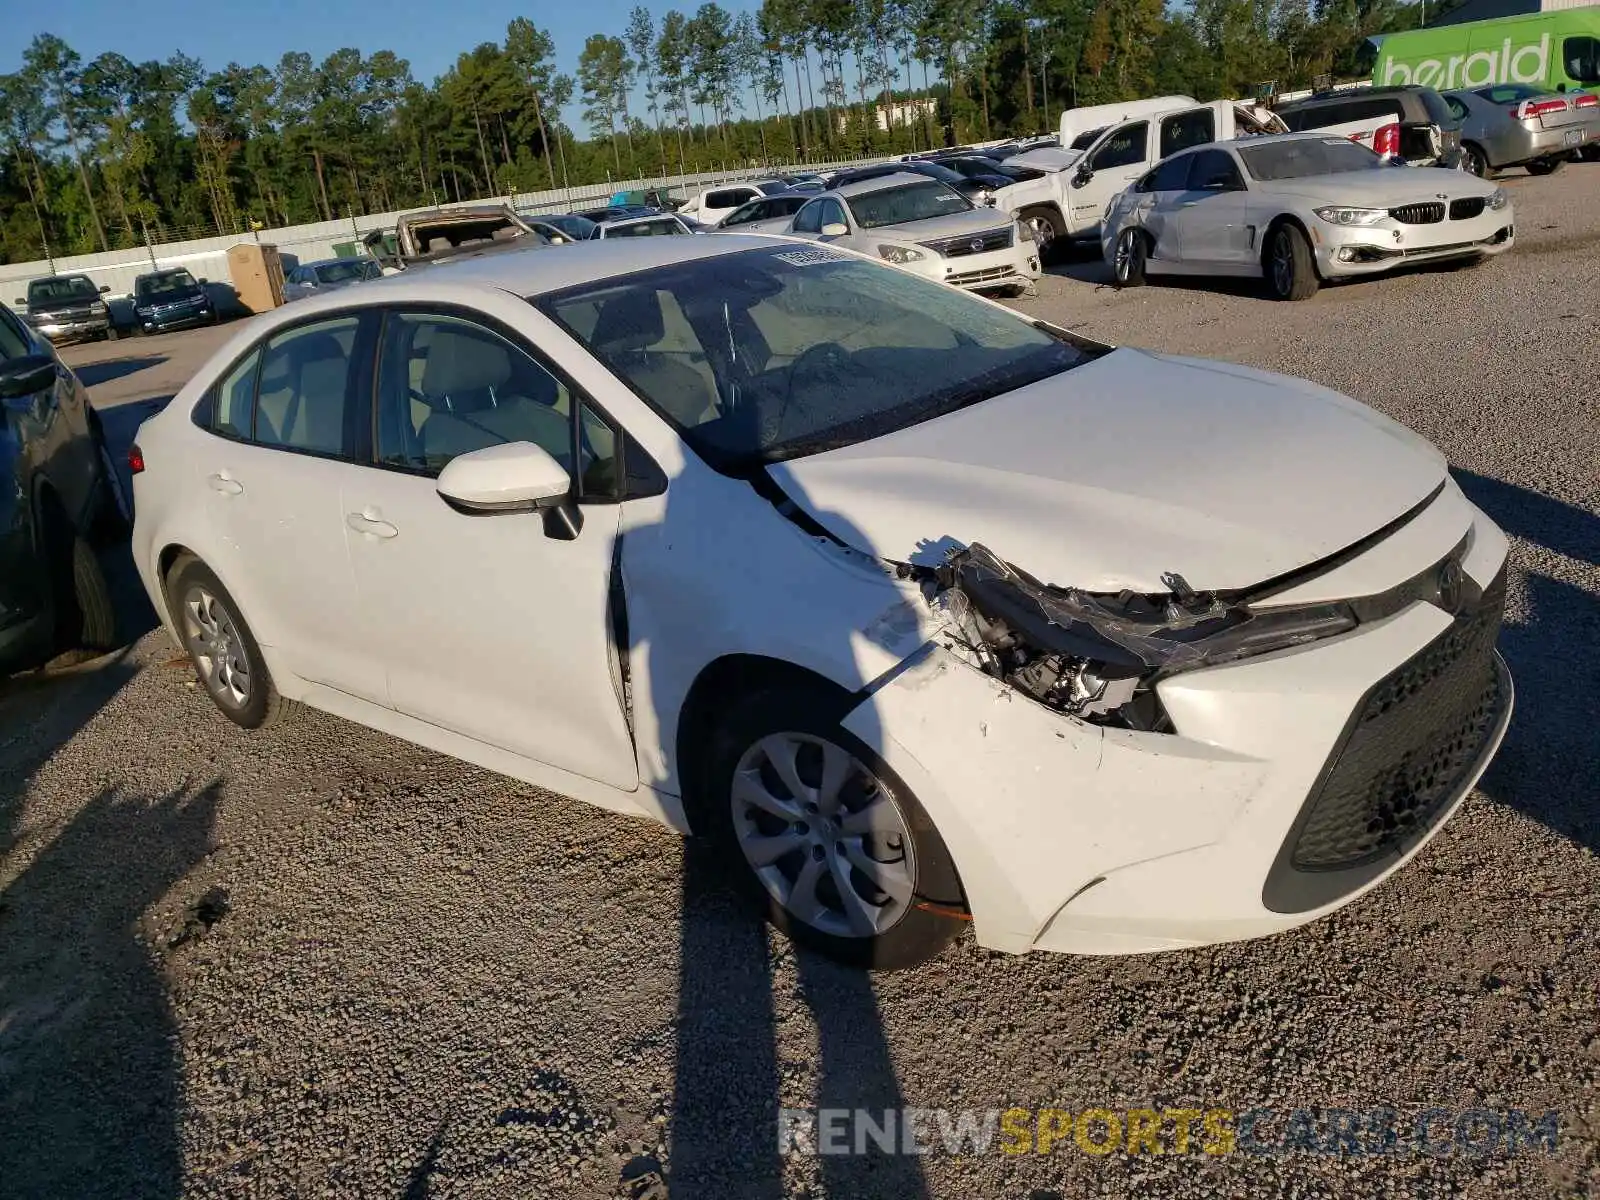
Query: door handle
(362,523)
(225,483)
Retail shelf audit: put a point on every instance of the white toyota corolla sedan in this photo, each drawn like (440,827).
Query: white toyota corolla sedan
(924,611)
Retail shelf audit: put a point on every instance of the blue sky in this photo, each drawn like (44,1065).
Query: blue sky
(428,33)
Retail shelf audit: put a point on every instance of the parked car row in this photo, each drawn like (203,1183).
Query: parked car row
(69,308)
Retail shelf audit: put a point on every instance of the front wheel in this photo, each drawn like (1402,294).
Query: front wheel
(1129,258)
(1544,166)
(1474,162)
(826,838)
(1290,270)
(1049,232)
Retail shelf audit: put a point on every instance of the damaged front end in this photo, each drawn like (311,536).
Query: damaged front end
(1098,657)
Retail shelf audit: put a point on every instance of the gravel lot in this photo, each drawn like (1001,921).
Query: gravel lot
(323,962)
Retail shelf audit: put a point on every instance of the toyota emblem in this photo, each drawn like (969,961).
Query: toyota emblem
(1450,581)
(977,245)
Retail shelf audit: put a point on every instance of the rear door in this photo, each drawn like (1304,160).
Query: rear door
(291,418)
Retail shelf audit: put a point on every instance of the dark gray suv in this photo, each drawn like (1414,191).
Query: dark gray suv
(58,492)
(1410,123)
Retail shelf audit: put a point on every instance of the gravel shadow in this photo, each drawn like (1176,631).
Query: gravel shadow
(1547,768)
(90,1081)
(726,1097)
(95,373)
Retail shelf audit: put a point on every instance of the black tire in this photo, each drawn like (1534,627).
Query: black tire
(1128,258)
(1590,153)
(1545,166)
(112,334)
(1289,268)
(921,925)
(1474,161)
(90,616)
(260,705)
(1049,233)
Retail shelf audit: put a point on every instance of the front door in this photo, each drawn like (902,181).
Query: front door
(1113,162)
(1211,217)
(499,627)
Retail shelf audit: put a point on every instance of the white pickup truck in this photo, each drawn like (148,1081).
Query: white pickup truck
(1094,164)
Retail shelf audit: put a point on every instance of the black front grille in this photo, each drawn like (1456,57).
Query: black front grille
(1430,213)
(1416,734)
(977,243)
(1466,208)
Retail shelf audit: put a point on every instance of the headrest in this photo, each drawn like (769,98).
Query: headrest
(629,321)
(459,363)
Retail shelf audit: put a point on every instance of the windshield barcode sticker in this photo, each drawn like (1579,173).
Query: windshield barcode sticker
(808,258)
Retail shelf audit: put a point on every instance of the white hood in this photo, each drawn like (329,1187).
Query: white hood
(967,221)
(1128,467)
(1385,188)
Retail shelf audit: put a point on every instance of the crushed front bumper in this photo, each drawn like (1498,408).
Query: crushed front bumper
(1090,839)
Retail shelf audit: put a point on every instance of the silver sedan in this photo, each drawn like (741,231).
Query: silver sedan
(1295,210)
(1512,124)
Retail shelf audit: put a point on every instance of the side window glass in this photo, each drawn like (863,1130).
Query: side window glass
(448,387)
(833,213)
(13,342)
(1124,148)
(1170,176)
(1581,57)
(1213,171)
(236,400)
(307,387)
(1193,128)
(809,218)
(1457,109)
(598,476)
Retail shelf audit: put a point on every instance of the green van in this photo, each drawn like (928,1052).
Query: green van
(1558,50)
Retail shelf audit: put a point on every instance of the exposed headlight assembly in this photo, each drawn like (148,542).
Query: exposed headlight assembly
(1335,215)
(899,254)
(1097,656)
(1498,199)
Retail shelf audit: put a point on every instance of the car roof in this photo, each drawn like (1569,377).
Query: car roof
(878,183)
(533,271)
(1398,89)
(1264,139)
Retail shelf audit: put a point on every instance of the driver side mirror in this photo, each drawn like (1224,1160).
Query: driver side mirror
(514,477)
(105,288)
(1083,176)
(25,375)
(835,229)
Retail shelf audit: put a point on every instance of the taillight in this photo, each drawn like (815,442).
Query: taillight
(135,460)
(1386,141)
(1538,108)
(1586,100)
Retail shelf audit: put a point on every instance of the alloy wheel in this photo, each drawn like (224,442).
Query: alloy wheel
(1043,232)
(219,653)
(823,834)
(1125,252)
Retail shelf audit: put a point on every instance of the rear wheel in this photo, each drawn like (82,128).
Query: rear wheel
(227,660)
(82,608)
(826,838)
(1129,258)
(1545,166)
(1290,269)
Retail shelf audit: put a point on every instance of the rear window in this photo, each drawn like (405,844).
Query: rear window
(730,197)
(1438,111)
(1509,93)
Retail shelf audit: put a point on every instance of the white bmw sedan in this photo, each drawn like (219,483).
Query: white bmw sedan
(1295,210)
(925,612)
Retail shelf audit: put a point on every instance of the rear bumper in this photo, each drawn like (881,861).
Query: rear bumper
(1542,143)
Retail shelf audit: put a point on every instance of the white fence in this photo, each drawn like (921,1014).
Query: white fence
(208,257)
